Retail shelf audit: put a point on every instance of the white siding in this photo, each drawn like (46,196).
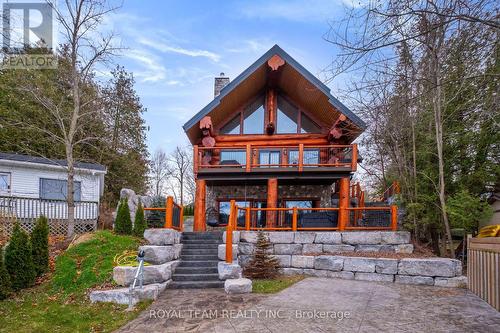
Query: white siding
(25,181)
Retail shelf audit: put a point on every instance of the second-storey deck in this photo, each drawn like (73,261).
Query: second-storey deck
(276,159)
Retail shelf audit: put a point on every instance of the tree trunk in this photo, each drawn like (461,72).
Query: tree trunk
(438,124)
(70,199)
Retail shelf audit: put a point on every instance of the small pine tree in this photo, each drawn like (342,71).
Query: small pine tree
(262,265)
(40,245)
(19,260)
(5,286)
(139,222)
(123,223)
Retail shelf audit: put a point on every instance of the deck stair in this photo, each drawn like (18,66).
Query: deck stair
(198,265)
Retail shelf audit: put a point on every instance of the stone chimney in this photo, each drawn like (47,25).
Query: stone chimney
(220,82)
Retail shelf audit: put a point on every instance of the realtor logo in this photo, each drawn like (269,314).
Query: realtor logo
(28,25)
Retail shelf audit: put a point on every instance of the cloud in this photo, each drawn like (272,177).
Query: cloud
(152,69)
(256,46)
(165,47)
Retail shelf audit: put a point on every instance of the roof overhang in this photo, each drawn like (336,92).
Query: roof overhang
(294,80)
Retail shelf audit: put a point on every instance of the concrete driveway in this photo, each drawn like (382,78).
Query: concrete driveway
(321,305)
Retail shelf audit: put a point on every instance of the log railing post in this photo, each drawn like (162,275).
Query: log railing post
(249,158)
(294,219)
(394,217)
(247,218)
(195,161)
(354,161)
(343,217)
(301,157)
(181,217)
(169,212)
(229,233)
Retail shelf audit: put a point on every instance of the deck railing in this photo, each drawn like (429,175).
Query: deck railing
(297,219)
(172,215)
(26,210)
(248,158)
(483,269)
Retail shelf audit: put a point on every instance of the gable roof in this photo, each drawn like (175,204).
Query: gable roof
(52,162)
(334,102)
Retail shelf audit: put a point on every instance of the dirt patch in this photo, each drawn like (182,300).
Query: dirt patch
(81,239)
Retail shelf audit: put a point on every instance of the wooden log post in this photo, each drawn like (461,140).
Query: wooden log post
(394,217)
(199,206)
(169,212)
(272,201)
(248,162)
(354,161)
(247,218)
(181,222)
(343,218)
(294,219)
(229,232)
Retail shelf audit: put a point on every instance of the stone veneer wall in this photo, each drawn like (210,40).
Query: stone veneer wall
(307,253)
(322,192)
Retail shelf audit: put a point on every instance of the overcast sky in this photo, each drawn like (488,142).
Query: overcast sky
(176,48)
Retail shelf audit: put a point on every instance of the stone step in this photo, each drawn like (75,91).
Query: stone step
(199,257)
(195,284)
(190,251)
(123,295)
(196,277)
(196,270)
(192,246)
(204,263)
(201,241)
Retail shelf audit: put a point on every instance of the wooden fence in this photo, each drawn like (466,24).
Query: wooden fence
(483,269)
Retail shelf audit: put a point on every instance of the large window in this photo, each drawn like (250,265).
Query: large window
(270,158)
(292,120)
(232,127)
(253,117)
(225,207)
(57,189)
(288,116)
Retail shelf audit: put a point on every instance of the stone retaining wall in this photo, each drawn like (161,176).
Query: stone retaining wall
(307,253)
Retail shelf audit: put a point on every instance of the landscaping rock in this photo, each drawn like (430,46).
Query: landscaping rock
(124,275)
(162,236)
(243,260)
(303,261)
(386,266)
(248,248)
(284,260)
(454,282)
(122,295)
(177,250)
(236,237)
(291,271)
(354,264)
(403,248)
(287,248)
(331,237)
(221,251)
(338,248)
(362,276)
(361,237)
(238,286)
(303,237)
(312,248)
(330,263)
(374,248)
(395,237)
(229,271)
(157,255)
(373,277)
(329,274)
(409,279)
(441,267)
(281,237)
(249,236)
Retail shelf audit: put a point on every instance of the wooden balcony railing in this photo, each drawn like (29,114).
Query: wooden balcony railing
(172,215)
(248,158)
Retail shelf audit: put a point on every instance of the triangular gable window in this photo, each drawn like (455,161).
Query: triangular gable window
(253,117)
(232,127)
(307,125)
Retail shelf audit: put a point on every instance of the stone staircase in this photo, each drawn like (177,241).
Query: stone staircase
(198,261)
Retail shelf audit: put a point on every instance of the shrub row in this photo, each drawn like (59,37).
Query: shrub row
(123,223)
(25,258)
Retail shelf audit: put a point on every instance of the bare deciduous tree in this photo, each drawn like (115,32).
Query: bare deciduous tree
(159,171)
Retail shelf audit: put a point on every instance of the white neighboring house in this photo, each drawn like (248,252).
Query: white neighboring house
(31,186)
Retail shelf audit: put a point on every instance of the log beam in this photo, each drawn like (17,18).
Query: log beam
(200,205)
(272,201)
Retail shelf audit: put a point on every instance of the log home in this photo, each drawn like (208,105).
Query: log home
(278,143)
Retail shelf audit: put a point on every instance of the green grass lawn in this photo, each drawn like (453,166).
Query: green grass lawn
(271,286)
(61,303)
